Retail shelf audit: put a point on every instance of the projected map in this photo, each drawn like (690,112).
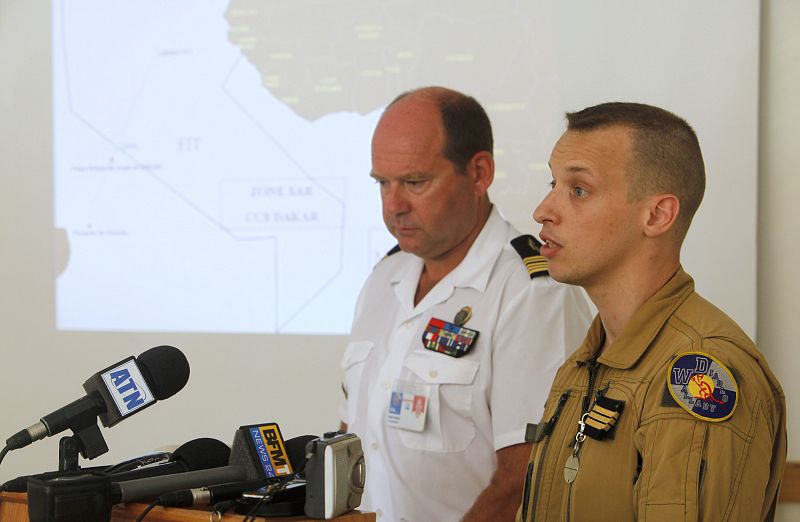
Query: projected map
(212,158)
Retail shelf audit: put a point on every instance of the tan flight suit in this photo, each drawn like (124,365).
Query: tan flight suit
(658,462)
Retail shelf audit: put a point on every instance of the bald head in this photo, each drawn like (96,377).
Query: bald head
(433,175)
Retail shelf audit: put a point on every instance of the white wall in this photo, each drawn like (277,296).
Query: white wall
(779,216)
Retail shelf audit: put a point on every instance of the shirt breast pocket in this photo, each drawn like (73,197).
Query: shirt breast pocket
(449,425)
(353,362)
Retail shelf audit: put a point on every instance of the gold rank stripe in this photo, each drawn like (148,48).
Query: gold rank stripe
(535,264)
(604,411)
(535,259)
(597,419)
(597,425)
(602,418)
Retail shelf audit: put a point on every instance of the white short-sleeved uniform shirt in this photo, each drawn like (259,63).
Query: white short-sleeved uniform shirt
(478,403)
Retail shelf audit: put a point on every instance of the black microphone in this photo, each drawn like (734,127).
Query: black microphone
(195,455)
(258,453)
(151,487)
(295,450)
(113,394)
(146,460)
(209,495)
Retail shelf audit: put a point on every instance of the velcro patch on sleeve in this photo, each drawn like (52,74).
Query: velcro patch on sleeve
(703,386)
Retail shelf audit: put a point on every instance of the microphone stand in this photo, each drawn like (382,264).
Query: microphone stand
(68,449)
(88,441)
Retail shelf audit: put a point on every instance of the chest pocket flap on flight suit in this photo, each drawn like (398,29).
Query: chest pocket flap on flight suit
(449,425)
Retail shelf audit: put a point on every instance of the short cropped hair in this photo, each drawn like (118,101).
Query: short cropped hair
(666,156)
(466,125)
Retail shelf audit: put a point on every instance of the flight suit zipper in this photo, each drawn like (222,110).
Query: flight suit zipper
(592,367)
(546,430)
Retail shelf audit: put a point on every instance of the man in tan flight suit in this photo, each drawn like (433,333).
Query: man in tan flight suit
(667,411)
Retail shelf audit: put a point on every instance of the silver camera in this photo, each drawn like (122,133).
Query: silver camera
(335,475)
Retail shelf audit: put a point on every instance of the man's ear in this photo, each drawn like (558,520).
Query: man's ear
(662,211)
(481,169)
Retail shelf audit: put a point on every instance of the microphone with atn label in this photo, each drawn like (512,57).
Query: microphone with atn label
(113,394)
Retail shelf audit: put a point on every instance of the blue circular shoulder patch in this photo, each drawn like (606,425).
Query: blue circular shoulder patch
(703,386)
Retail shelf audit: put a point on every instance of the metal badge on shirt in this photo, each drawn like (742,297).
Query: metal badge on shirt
(451,339)
(408,405)
(596,423)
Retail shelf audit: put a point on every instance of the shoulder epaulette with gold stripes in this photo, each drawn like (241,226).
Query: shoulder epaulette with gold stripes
(527,247)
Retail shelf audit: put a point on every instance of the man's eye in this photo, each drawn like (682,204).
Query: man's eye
(551,184)
(416,185)
(580,192)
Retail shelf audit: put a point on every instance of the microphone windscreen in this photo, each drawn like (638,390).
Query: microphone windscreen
(242,456)
(203,453)
(195,455)
(296,450)
(165,369)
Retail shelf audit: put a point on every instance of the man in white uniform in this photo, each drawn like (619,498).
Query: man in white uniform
(457,333)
